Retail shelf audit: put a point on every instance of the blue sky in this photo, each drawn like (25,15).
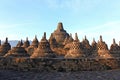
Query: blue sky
(26,18)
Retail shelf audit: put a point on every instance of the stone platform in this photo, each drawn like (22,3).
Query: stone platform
(59,64)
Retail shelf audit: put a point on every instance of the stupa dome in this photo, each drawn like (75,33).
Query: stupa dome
(43,49)
(5,47)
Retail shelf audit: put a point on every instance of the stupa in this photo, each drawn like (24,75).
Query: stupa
(53,42)
(17,51)
(43,49)
(20,43)
(103,51)
(68,39)
(75,50)
(33,46)
(86,47)
(57,39)
(94,45)
(35,42)
(26,43)
(67,42)
(5,47)
(60,34)
(115,49)
(94,49)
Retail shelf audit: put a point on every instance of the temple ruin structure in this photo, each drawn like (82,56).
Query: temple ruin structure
(60,52)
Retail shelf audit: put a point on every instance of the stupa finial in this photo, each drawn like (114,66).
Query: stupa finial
(35,39)
(26,38)
(60,26)
(93,39)
(76,37)
(114,41)
(101,38)
(35,36)
(85,37)
(44,36)
(6,41)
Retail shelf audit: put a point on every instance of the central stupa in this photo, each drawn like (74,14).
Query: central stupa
(60,34)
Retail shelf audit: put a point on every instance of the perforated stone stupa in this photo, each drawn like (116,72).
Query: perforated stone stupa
(67,43)
(86,47)
(103,51)
(53,42)
(115,49)
(68,39)
(75,50)
(43,49)
(5,47)
(26,44)
(94,45)
(17,51)
(33,46)
(94,49)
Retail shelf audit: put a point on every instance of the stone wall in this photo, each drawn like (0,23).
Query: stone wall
(56,64)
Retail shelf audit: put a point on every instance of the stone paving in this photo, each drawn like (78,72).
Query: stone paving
(81,75)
